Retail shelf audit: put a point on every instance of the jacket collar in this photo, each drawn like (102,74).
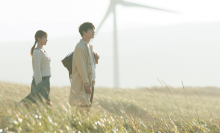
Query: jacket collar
(82,41)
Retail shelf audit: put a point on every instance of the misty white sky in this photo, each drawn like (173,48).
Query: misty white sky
(171,47)
(22,18)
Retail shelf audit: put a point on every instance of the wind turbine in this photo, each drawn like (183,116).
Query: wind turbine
(111,9)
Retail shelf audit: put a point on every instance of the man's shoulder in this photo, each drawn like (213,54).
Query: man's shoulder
(80,45)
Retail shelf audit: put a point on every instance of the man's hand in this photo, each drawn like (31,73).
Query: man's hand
(88,89)
(96,56)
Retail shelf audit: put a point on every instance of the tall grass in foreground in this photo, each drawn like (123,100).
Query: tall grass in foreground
(156,110)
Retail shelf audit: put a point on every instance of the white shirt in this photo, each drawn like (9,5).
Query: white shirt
(92,63)
(41,65)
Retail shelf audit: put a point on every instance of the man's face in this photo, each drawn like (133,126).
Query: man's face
(90,33)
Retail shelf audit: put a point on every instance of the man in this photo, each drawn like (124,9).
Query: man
(83,69)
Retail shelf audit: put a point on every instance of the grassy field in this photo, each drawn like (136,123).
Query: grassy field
(164,109)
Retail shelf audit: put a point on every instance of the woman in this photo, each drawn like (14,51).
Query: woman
(40,87)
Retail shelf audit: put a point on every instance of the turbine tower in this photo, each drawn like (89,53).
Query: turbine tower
(111,9)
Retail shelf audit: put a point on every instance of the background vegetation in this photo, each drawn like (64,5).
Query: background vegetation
(156,109)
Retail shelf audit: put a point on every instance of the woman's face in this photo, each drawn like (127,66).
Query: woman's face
(43,40)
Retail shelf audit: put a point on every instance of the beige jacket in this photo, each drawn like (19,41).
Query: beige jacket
(81,75)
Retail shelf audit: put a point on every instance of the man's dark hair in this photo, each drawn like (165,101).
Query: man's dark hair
(85,27)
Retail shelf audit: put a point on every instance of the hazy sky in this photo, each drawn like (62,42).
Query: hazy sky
(21,18)
(152,44)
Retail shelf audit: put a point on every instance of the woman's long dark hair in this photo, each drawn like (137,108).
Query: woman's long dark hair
(39,34)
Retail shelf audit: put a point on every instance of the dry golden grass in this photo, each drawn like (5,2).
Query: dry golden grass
(115,110)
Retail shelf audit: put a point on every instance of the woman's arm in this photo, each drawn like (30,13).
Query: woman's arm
(36,59)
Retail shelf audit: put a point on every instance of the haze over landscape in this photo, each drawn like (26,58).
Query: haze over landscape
(152,44)
(154,47)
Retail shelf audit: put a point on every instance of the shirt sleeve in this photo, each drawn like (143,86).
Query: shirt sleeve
(80,60)
(36,59)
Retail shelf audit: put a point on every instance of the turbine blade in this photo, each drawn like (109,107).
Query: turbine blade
(124,3)
(110,9)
